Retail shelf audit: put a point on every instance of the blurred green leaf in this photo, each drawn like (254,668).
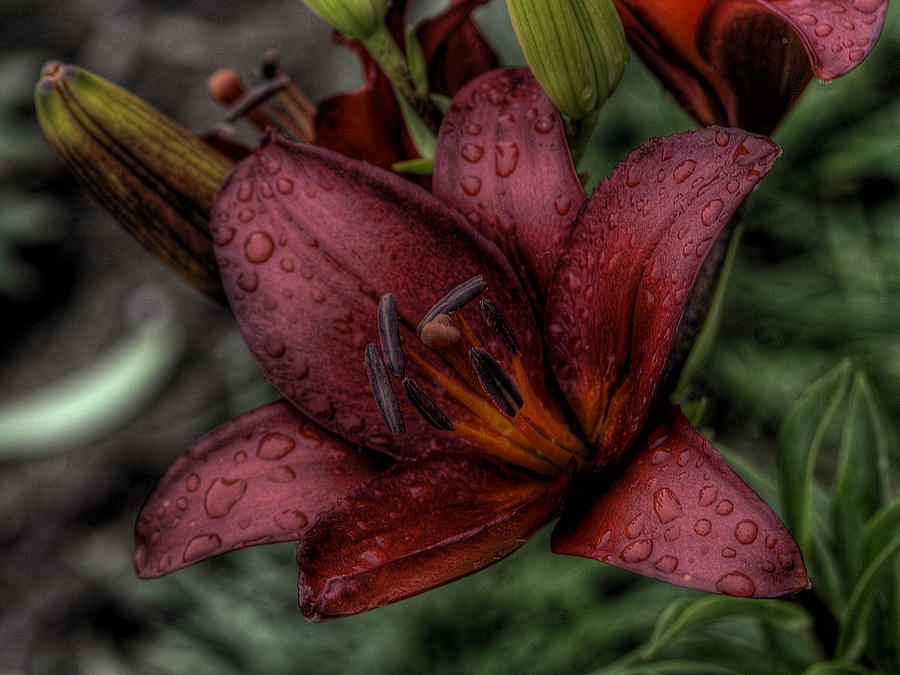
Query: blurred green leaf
(837,668)
(799,440)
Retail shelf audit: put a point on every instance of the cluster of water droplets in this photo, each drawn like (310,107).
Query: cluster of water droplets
(846,30)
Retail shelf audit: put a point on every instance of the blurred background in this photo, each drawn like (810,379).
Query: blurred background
(110,366)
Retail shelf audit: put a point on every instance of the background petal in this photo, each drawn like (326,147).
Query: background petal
(679,513)
(420,525)
(309,240)
(629,265)
(263,477)
(504,161)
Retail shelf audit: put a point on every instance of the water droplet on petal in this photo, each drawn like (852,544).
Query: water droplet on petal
(249,281)
(285,186)
(666,505)
(635,526)
(274,346)
(506,156)
(746,531)
(222,495)
(373,556)
(181,503)
(725,507)
(604,540)
(222,235)
(737,584)
(722,137)
(672,533)
(472,153)
(684,170)
(824,30)
(786,561)
(274,446)
(164,563)
(768,566)
(259,247)
(192,482)
(282,474)
(245,191)
(545,123)
(201,546)
(708,495)
(246,215)
(703,527)
(471,185)
(660,455)
(562,203)
(635,174)
(711,212)
(637,551)
(771,541)
(732,186)
(868,6)
(291,520)
(473,130)
(667,564)
(728,552)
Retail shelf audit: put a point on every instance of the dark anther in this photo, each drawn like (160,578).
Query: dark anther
(455,300)
(269,64)
(496,382)
(427,408)
(254,97)
(389,330)
(500,326)
(383,392)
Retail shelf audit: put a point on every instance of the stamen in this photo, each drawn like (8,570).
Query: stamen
(426,407)
(498,323)
(455,300)
(250,99)
(384,395)
(496,382)
(389,330)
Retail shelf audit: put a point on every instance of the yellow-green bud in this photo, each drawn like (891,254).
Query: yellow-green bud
(152,174)
(356,19)
(576,49)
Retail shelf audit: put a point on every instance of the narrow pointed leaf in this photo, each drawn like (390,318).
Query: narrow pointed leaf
(625,273)
(679,513)
(419,525)
(799,440)
(264,477)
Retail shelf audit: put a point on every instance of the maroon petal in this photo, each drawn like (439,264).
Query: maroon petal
(679,513)
(263,477)
(417,526)
(309,240)
(626,271)
(503,160)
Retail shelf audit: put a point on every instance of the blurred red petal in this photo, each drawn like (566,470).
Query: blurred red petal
(679,513)
(261,478)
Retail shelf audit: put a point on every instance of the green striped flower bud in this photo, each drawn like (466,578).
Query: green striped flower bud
(356,19)
(576,49)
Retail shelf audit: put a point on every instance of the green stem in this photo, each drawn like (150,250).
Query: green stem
(579,133)
(390,60)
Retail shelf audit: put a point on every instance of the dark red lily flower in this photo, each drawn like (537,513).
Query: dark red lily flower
(367,123)
(538,401)
(746,62)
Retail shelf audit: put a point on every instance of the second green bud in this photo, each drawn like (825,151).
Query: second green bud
(576,49)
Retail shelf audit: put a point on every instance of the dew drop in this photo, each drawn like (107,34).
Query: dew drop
(771,541)
(292,520)
(733,186)
(181,503)
(708,495)
(201,546)
(635,526)
(471,185)
(768,566)
(728,552)
(786,561)
(192,482)
(684,458)
(660,455)
(703,527)
(274,346)
(666,505)
(857,55)
(472,153)
(545,123)
(266,190)
(746,531)
(604,540)
(273,167)
(562,203)
(287,264)
(249,281)
(725,507)
(634,175)
(318,297)
(274,446)
(672,533)
(473,130)
(222,235)
(868,6)
(667,564)
(737,584)
(259,247)
(684,170)
(282,474)
(722,138)
(807,20)
(285,186)
(222,495)
(246,215)
(506,156)
(637,551)
(711,212)
(373,556)
(245,191)
(164,562)
(240,457)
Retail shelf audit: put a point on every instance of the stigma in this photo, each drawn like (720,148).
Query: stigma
(507,419)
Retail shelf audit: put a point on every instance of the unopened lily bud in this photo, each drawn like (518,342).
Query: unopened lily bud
(152,174)
(576,49)
(355,19)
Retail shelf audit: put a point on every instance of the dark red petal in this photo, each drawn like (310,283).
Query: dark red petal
(419,525)
(679,513)
(503,160)
(626,271)
(309,240)
(454,49)
(263,477)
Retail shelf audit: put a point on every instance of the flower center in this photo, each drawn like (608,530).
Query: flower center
(508,419)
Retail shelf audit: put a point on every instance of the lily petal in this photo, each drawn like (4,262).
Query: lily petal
(261,478)
(679,513)
(309,240)
(420,525)
(503,160)
(629,265)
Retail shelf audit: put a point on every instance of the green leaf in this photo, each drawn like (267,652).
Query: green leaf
(852,635)
(415,59)
(799,440)
(91,403)
(837,668)
(860,483)
(682,617)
